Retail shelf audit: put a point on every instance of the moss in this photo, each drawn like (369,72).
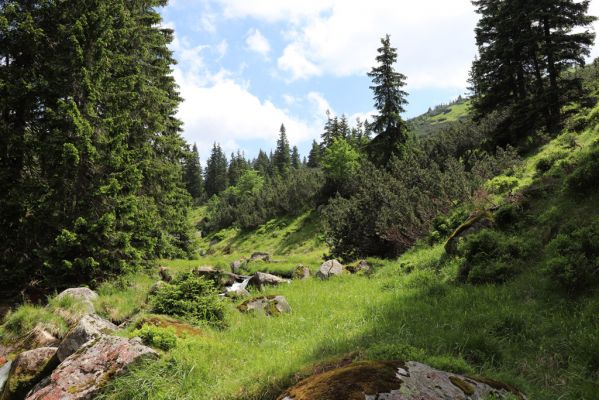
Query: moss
(499,386)
(351,382)
(21,381)
(181,328)
(451,245)
(464,386)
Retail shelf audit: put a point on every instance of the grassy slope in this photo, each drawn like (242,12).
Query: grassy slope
(523,332)
(437,118)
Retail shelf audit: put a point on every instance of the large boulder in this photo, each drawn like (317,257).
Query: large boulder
(37,337)
(362,267)
(394,380)
(82,375)
(82,294)
(221,278)
(259,256)
(260,279)
(88,328)
(269,305)
(330,268)
(28,369)
(474,224)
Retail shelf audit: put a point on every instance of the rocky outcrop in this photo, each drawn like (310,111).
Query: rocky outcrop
(28,369)
(330,268)
(260,279)
(221,278)
(83,374)
(269,305)
(258,256)
(82,294)
(301,272)
(394,380)
(475,223)
(88,328)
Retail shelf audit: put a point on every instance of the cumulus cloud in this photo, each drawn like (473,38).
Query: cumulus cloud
(257,43)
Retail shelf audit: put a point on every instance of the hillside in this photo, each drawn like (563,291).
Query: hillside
(518,327)
(439,116)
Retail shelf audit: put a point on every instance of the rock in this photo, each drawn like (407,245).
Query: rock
(83,294)
(221,278)
(37,337)
(82,375)
(165,275)
(260,279)
(330,268)
(4,371)
(270,305)
(258,256)
(301,272)
(28,369)
(156,287)
(88,328)
(361,267)
(394,380)
(475,223)
(237,293)
(236,266)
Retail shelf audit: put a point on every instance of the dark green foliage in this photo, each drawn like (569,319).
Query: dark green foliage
(389,99)
(445,225)
(573,257)
(507,216)
(315,155)
(216,179)
(585,178)
(193,175)
(237,167)
(296,162)
(262,163)
(525,49)
(492,257)
(190,297)
(281,159)
(90,149)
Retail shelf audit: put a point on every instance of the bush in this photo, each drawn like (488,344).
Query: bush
(192,298)
(573,257)
(492,257)
(585,178)
(501,184)
(160,338)
(507,216)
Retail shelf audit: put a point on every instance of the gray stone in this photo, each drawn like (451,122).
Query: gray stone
(301,272)
(82,294)
(28,369)
(330,268)
(4,371)
(236,266)
(269,305)
(88,328)
(258,256)
(82,375)
(362,267)
(260,279)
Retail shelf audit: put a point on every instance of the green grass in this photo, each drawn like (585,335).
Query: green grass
(453,113)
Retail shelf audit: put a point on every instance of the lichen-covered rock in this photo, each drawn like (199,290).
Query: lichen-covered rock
(394,380)
(82,294)
(83,374)
(37,337)
(330,268)
(260,279)
(362,267)
(475,223)
(301,272)
(88,328)
(28,369)
(258,256)
(270,305)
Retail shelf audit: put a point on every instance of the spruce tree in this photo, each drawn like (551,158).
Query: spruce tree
(216,179)
(262,163)
(389,100)
(193,175)
(315,155)
(237,167)
(296,161)
(282,157)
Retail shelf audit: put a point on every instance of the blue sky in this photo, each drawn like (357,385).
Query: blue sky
(246,66)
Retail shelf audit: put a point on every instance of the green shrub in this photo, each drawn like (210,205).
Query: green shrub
(507,216)
(492,257)
(585,178)
(192,298)
(501,184)
(573,257)
(160,338)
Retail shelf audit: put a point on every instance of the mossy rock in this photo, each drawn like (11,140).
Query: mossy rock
(27,370)
(269,305)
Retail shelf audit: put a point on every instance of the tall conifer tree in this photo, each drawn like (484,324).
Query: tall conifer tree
(282,155)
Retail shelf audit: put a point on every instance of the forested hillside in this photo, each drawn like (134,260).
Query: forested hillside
(454,255)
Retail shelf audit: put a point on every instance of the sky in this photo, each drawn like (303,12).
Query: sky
(247,66)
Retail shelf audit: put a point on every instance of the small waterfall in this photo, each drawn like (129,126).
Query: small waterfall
(239,285)
(4,374)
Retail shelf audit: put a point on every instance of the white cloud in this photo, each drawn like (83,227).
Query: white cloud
(294,62)
(256,42)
